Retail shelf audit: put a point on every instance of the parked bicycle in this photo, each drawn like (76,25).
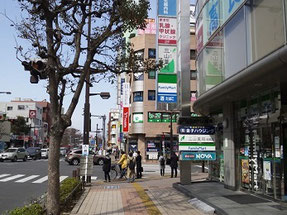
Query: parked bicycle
(116,172)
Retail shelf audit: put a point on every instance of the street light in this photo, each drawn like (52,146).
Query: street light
(5,93)
(104,95)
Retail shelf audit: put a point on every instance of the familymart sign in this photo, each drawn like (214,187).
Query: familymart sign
(197,142)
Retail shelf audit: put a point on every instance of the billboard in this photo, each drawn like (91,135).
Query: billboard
(196,138)
(198,156)
(167,88)
(167,7)
(168,55)
(166,31)
(150,27)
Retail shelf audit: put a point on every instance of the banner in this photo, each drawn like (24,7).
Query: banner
(125,119)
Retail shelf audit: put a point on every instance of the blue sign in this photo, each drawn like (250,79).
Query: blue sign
(213,16)
(167,7)
(167,97)
(204,156)
(196,130)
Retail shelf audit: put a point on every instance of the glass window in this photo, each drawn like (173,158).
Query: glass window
(192,54)
(213,62)
(235,39)
(193,75)
(151,95)
(21,107)
(10,108)
(151,53)
(265,26)
(151,74)
(138,96)
(137,117)
(139,76)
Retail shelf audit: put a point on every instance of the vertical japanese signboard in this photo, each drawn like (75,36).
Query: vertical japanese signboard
(167,51)
(126,104)
(167,7)
(166,31)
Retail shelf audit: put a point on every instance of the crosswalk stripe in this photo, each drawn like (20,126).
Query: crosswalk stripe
(11,178)
(4,175)
(41,180)
(63,177)
(27,178)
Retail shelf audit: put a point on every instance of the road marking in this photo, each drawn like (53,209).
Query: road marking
(62,178)
(27,178)
(41,180)
(4,175)
(11,178)
(94,178)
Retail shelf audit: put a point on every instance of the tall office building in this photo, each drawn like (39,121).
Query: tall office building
(241,61)
(149,129)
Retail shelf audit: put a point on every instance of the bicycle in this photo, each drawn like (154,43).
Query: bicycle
(116,170)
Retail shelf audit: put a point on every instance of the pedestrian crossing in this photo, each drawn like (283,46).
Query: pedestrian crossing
(21,178)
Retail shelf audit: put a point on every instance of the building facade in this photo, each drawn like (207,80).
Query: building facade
(241,62)
(37,118)
(149,129)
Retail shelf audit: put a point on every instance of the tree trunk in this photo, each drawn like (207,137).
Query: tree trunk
(53,198)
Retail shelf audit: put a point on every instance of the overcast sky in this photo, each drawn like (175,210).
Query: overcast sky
(17,81)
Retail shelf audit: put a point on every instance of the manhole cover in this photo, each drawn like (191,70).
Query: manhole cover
(246,199)
(112,187)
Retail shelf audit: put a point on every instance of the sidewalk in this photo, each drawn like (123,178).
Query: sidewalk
(226,201)
(151,196)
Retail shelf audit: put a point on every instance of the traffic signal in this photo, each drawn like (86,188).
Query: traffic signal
(37,70)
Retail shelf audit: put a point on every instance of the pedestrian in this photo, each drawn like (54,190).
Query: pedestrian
(107,167)
(131,167)
(139,165)
(173,164)
(161,161)
(123,163)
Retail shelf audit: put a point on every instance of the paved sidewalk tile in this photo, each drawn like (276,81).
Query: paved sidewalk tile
(153,196)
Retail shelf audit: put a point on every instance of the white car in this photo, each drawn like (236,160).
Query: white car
(44,153)
(14,154)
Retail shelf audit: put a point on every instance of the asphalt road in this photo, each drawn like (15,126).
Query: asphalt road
(22,182)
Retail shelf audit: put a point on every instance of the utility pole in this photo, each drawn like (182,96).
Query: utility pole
(171,133)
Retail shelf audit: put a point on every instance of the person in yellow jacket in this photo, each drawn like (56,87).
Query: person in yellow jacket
(124,163)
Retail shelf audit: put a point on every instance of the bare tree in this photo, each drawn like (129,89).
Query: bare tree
(59,32)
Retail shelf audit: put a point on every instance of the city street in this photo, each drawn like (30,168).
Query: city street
(22,182)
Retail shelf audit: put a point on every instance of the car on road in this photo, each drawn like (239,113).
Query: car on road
(98,159)
(45,153)
(14,154)
(34,153)
(74,157)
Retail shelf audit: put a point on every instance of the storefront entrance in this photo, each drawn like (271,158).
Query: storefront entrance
(261,157)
